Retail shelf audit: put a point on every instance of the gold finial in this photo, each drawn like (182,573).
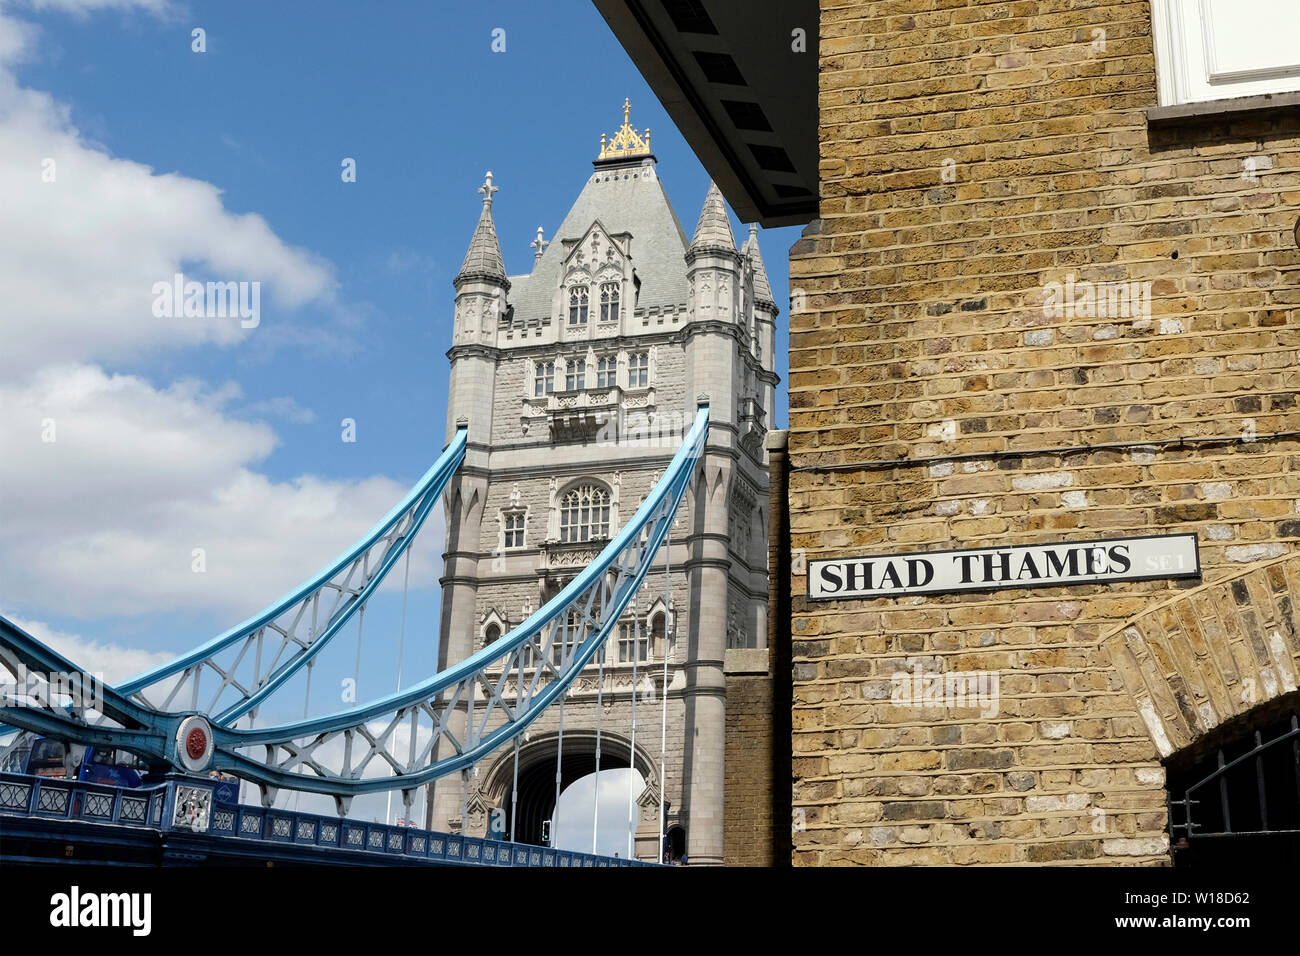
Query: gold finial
(627,141)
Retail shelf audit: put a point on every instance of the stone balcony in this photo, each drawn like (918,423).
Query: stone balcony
(571,415)
(574,556)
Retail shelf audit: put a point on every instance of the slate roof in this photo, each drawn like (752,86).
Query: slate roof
(625,199)
(714,228)
(762,288)
(483,258)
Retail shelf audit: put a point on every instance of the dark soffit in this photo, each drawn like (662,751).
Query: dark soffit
(729,75)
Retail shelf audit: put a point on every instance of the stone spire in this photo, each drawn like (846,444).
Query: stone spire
(762,289)
(483,260)
(714,227)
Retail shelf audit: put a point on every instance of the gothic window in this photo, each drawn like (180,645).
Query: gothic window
(544,378)
(493,633)
(741,520)
(632,638)
(566,638)
(743,499)
(578,301)
(584,514)
(737,630)
(638,370)
(514,529)
(657,635)
(576,376)
(606,371)
(609,302)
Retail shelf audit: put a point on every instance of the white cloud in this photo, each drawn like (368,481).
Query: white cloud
(576,816)
(109,482)
(105,518)
(111,662)
(79,256)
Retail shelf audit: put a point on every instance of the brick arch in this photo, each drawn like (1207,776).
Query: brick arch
(1212,653)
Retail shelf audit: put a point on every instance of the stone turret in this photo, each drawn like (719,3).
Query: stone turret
(578,378)
(481,284)
(763,318)
(481,290)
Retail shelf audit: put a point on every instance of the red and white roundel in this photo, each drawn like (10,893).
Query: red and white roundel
(194,743)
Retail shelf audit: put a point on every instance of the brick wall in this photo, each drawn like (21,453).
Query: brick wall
(747,823)
(973,154)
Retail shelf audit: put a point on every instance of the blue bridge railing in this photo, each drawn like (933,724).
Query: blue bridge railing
(187,805)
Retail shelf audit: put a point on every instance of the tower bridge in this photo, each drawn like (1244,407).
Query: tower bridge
(595,584)
(576,380)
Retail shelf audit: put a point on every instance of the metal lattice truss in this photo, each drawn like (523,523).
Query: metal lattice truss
(230,675)
(233,673)
(459,716)
(46,693)
(436,727)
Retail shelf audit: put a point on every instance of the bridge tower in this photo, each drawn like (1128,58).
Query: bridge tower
(578,381)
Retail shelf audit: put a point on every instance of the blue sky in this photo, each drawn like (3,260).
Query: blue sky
(226,164)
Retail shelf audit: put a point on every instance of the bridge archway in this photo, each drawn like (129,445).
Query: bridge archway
(537,760)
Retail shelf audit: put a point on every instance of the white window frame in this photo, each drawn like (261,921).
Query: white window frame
(1186,58)
(606,377)
(575,372)
(633,638)
(543,376)
(507,530)
(592,515)
(630,369)
(579,305)
(611,294)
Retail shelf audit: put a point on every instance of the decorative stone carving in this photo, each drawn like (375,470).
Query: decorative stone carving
(193,807)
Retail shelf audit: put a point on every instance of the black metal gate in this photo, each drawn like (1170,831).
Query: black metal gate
(1240,801)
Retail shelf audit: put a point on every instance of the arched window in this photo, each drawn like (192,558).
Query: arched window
(609,302)
(675,846)
(579,297)
(492,634)
(657,635)
(584,514)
